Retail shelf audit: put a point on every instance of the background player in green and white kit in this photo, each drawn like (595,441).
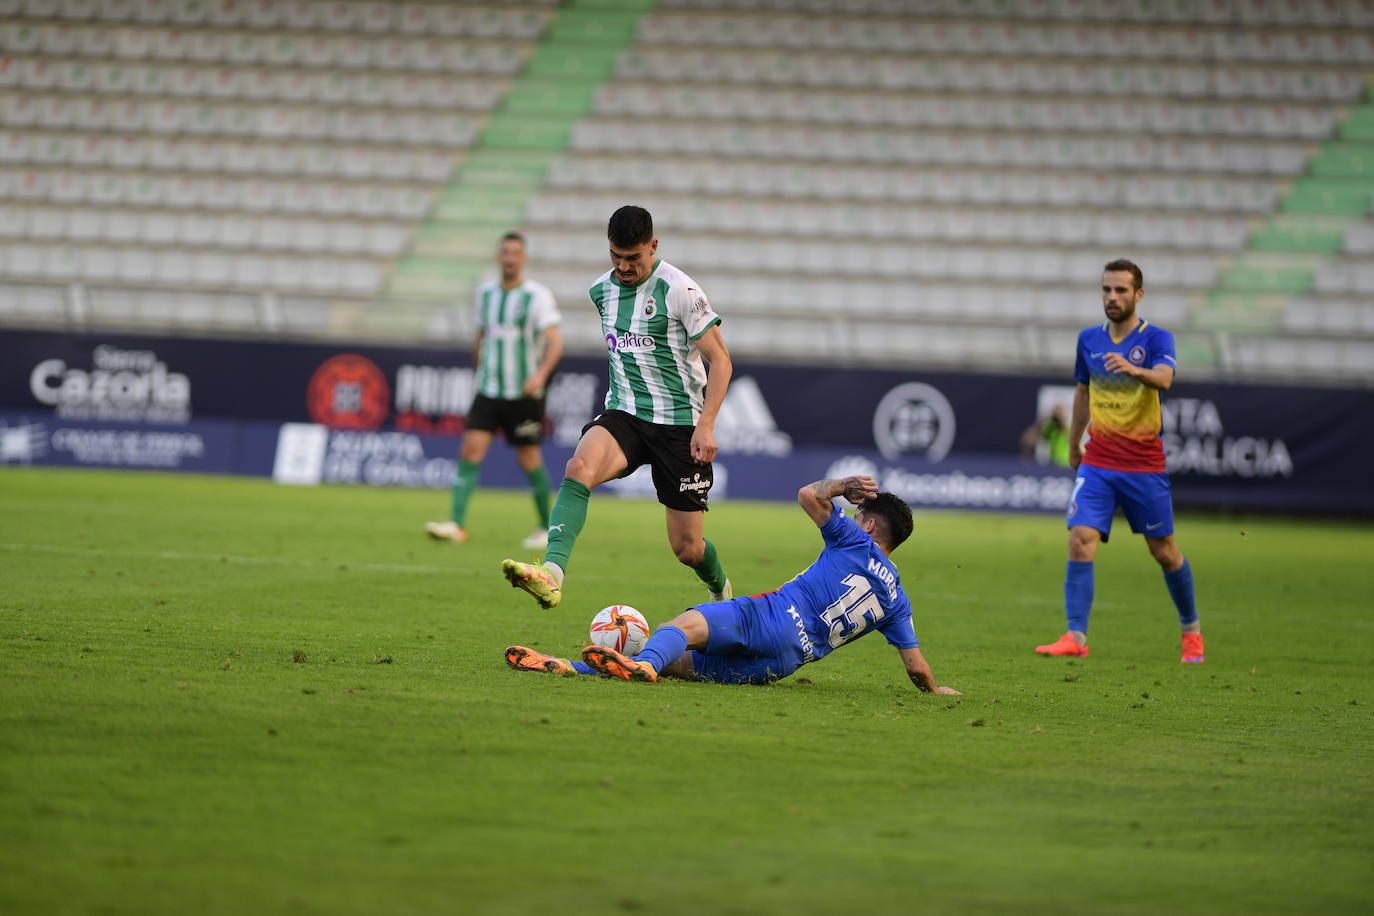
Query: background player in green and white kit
(661,407)
(518,343)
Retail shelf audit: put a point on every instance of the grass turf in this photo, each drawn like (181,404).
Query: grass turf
(222,696)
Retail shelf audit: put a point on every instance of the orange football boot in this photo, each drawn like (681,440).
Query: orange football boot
(522,659)
(609,661)
(1064,645)
(1192,649)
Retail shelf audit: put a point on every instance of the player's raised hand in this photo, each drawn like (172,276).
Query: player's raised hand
(859,489)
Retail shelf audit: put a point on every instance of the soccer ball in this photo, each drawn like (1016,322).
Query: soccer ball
(620,627)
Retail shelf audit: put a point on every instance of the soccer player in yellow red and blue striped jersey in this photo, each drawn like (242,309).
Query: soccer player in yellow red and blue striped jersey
(1124,367)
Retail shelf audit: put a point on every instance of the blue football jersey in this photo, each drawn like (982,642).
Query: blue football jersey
(851,589)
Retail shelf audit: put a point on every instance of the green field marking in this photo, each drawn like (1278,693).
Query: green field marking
(224,696)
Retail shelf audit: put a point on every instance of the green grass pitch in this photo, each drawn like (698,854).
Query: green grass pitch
(223,696)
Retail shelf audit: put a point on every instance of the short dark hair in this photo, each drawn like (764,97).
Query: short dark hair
(514,236)
(893,515)
(1129,267)
(630,227)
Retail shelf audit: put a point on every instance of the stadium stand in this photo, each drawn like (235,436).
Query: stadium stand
(911,182)
(226,152)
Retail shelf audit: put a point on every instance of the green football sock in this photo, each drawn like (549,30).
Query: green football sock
(539,483)
(464,482)
(709,569)
(566,521)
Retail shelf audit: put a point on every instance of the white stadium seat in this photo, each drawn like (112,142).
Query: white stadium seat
(969,145)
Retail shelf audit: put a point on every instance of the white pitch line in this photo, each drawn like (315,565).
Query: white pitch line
(220,558)
(404,568)
(1022,599)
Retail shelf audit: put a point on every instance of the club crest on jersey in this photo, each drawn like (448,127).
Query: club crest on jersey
(634,343)
(1137,354)
(650,307)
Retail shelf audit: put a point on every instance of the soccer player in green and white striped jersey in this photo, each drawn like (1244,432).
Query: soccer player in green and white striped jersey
(517,345)
(661,335)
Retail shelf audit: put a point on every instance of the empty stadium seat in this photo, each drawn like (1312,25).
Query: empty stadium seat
(1001,146)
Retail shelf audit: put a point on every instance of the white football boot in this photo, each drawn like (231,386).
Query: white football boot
(446,531)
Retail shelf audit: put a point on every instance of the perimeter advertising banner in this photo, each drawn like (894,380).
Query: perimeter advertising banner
(384,416)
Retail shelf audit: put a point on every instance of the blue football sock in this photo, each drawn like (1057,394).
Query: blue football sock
(1078,594)
(664,647)
(582,667)
(1180,583)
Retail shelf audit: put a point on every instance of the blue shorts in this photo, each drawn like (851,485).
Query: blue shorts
(742,646)
(1143,497)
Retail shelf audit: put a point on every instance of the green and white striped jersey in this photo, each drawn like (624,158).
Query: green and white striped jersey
(657,373)
(512,322)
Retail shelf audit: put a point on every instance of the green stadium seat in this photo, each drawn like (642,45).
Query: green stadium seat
(1304,232)
(1328,195)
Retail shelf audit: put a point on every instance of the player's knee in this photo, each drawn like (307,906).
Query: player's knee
(578,469)
(690,553)
(1082,546)
(1166,554)
(694,626)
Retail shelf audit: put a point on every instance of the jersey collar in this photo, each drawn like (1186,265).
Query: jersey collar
(1138,329)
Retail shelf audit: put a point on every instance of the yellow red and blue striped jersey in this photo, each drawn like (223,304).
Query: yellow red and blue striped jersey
(1124,414)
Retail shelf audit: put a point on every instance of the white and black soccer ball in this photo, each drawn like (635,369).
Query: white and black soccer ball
(620,627)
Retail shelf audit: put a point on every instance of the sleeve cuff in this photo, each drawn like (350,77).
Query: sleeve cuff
(714,321)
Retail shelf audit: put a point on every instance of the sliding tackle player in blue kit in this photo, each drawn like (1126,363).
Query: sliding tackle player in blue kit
(851,589)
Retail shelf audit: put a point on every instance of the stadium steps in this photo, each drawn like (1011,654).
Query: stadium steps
(1253,290)
(1310,224)
(488,194)
(1316,233)
(1196,349)
(1347,195)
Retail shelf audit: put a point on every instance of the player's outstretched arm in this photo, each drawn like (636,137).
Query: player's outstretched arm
(919,671)
(814,498)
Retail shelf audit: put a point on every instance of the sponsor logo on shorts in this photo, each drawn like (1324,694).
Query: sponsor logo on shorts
(528,429)
(633,343)
(693,485)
